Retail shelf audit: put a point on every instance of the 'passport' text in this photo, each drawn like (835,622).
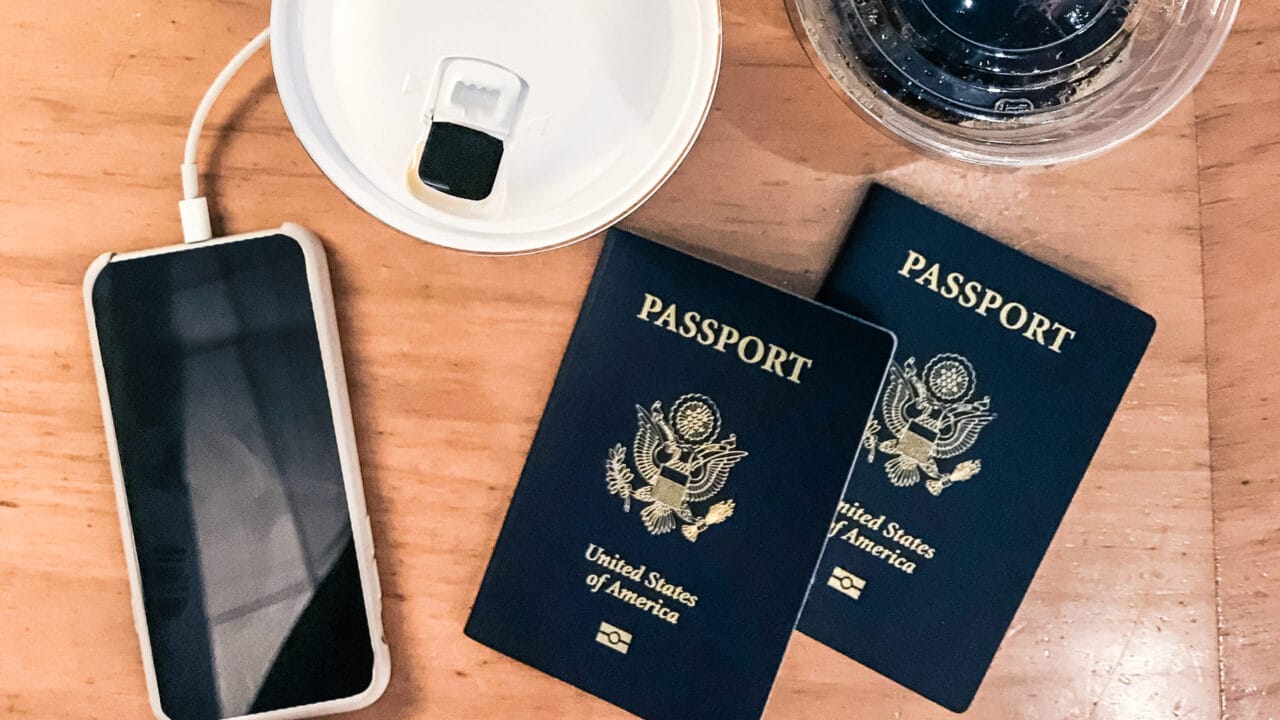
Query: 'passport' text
(692,325)
(986,302)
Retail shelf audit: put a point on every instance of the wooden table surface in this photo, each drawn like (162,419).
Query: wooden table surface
(450,358)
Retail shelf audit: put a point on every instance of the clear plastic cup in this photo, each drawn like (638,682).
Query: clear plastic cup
(1013,82)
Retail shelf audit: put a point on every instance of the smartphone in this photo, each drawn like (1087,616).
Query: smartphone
(248,546)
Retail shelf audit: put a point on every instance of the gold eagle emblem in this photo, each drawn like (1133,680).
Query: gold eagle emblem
(681,461)
(931,416)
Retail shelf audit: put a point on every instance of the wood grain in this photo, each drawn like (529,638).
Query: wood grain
(450,359)
(1237,108)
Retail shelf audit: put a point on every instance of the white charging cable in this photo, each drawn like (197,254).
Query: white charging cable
(194,209)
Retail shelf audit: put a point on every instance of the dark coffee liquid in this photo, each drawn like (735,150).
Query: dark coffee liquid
(984,60)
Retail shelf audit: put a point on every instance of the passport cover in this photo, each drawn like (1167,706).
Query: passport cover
(1007,374)
(676,498)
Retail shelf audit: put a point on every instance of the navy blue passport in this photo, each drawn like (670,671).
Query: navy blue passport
(675,501)
(1006,377)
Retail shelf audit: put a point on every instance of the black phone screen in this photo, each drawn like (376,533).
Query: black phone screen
(229,454)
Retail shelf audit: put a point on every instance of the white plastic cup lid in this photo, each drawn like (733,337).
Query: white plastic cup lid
(502,126)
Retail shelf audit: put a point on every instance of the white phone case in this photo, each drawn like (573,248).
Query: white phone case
(331,354)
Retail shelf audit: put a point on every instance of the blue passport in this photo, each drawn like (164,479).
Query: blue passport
(675,501)
(1006,377)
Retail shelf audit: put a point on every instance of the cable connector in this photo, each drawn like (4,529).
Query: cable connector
(194,209)
(196,226)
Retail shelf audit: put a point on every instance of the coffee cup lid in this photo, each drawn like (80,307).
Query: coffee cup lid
(502,126)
